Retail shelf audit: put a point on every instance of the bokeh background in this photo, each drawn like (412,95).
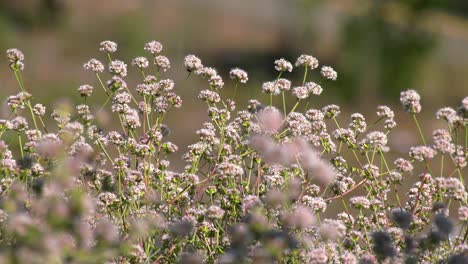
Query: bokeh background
(378,48)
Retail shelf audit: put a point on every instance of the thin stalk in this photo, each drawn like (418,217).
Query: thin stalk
(28,103)
(21,145)
(284,103)
(305,74)
(419,129)
(102,84)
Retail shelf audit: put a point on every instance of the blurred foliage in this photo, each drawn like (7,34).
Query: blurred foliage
(380,55)
(29,14)
(375,56)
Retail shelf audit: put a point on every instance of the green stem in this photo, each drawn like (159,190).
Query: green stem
(419,129)
(442,165)
(102,84)
(305,74)
(284,103)
(295,106)
(21,145)
(28,103)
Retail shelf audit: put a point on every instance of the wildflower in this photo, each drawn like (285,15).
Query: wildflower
(108,46)
(216,82)
(207,72)
(447,113)
(390,124)
(315,115)
(192,63)
(317,256)
(370,171)
(153,47)
(300,92)
(301,217)
(85,90)
(317,204)
(345,135)
(174,100)
(348,258)
(463,213)
(385,111)
(131,119)
(140,62)
(209,96)
(107,199)
(162,62)
(249,202)
(360,202)
(14,55)
(270,119)
(19,123)
(138,254)
(170,147)
(116,83)
(270,88)
(358,123)
(118,68)
(410,101)
(331,111)
(333,230)
(442,140)
(329,73)
(307,61)
(165,85)
(463,108)
(239,75)
(39,110)
(342,184)
(283,65)
(122,98)
(377,139)
(94,65)
(314,88)
(297,124)
(452,187)
(230,169)
(421,153)
(15,102)
(403,165)
(214,212)
(33,135)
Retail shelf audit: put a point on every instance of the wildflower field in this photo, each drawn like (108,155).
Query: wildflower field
(272,183)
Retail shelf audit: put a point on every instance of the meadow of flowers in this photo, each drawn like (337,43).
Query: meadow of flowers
(256,185)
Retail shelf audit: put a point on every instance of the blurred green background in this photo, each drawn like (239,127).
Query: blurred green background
(378,47)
